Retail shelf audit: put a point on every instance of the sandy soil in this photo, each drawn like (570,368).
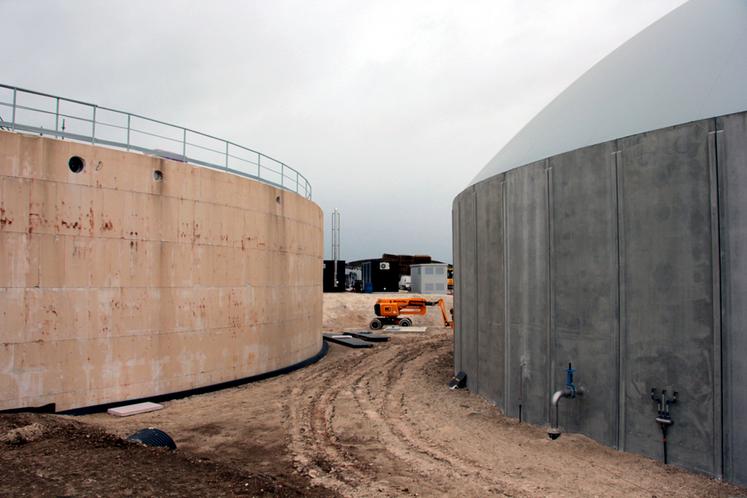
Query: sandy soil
(381,422)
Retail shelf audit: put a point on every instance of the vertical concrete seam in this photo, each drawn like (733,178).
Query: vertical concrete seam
(507,312)
(454,239)
(622,324)
(550,328)
(714,185)
(477,297)
(614,273)
(728,416)
(461,278)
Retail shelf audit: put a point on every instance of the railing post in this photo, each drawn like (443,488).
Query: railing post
(184,144)
(297,181)
(93,127)
(128,131)
(15,91)
(226,155)
(259,167)
(57,116)
(282,173)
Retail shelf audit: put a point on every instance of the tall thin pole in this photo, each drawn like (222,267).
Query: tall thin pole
(335,242)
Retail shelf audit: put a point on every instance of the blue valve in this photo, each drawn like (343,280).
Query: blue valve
(569,381)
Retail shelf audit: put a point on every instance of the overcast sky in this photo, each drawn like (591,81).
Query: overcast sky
(389,108)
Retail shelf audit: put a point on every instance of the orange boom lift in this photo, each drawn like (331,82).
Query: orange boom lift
(388,311)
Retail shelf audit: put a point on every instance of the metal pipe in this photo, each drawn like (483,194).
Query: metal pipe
(569,391)
(554,431)
(566,392)
(556,397)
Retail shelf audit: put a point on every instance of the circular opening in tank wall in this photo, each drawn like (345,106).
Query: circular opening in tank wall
(76,164)
(158,175)
(277,199)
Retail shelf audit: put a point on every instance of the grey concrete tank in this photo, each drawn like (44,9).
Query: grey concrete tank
(611,232)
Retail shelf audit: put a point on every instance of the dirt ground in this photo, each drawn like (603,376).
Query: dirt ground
(375,422)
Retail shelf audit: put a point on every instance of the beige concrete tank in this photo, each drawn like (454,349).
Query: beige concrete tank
(139,276)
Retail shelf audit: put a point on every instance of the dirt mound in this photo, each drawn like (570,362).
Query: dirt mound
(23,435)
(48,455)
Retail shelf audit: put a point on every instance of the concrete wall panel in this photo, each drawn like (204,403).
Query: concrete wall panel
(732,154)
(527,289)
(584,287)
(667,273)
(468,301)
(490,289)
(115,286)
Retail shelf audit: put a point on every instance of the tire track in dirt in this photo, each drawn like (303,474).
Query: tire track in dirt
(409,464)
(418,463)
(314,441)
(314,448)
(316,444)
(379,390)
(399,382)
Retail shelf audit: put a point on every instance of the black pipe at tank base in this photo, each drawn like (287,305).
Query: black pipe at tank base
(153,437)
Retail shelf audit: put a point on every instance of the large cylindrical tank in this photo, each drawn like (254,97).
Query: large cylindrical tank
(125,276)
(617,243)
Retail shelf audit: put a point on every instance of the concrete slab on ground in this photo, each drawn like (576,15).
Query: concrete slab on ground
(397,328)
(135,409)
(346,340)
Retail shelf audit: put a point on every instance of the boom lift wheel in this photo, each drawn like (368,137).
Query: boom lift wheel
(375,324)
(405,322)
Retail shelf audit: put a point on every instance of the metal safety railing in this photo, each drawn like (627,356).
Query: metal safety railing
(44,114)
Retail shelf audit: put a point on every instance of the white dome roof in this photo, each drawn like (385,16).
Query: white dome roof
(691,64)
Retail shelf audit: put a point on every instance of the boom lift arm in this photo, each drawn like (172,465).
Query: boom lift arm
(388,311)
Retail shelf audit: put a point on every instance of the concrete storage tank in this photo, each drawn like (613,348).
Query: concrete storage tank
(611,233)
(127,275)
